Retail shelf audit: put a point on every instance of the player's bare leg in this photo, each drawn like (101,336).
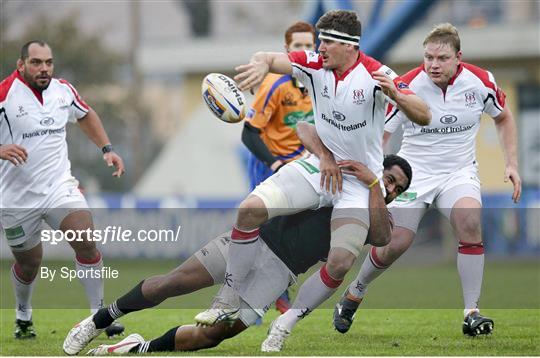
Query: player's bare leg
(23,274)
(377,261)
(466,222)
(243,250)
(190,276)
(183,338)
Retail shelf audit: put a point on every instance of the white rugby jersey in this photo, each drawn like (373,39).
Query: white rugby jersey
(349,111)
(448,142)
(37,122)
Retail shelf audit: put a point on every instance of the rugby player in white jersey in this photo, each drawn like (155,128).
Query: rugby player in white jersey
(349,92)
(443,159)
(291,245)
(36,184)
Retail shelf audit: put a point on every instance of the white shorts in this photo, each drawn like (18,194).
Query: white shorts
(441,191)
(266,281)
(22,227)
(296,187)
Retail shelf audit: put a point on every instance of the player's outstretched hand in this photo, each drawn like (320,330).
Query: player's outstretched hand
(359,170)
(511,173)
(330,174)
(388,86)
(14,153)
(111,159)
(252,74)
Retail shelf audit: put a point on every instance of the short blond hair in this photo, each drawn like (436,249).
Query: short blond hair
(445,34)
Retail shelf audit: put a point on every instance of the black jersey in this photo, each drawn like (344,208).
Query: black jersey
(300,240)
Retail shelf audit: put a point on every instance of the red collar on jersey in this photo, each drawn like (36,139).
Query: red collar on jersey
(458,71)
(349,70)
(38,94)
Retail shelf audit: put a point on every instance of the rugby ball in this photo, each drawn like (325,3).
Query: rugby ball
(223,98)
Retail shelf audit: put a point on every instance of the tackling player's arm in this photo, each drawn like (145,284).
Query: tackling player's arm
(506,129)
(380,229)
(92,126)
(410,104)
(258,67)
(330,173)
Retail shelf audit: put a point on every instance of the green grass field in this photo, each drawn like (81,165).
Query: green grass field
(411,310)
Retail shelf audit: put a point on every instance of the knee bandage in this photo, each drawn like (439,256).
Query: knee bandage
(273,198)
(350,236)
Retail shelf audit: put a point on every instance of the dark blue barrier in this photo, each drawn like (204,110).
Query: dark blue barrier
(510,229)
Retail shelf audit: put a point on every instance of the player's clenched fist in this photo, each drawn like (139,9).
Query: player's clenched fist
(14,153)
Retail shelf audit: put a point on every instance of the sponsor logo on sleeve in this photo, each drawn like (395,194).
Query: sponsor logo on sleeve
(312,56)
(388,72)
(402,85)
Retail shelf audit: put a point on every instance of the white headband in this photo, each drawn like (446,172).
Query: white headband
(338,36)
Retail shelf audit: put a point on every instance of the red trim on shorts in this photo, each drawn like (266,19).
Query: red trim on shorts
(93,261)
(468,248)
(327,279)
(18,274)
(244,236)
(375,260)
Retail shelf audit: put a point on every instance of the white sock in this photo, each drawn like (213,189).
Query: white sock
(313,292)
(23,294)
(92,285)
(242,254)
(371,268)
(470,263)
